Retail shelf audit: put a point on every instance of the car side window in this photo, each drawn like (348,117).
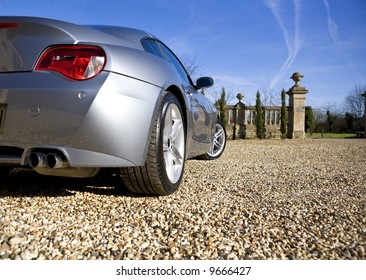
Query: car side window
(174,60)
(159,49)
(151,47)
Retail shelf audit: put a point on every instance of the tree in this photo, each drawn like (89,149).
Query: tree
(320,119)
(349,121)
(284,115)
(330,120)
(259,118)
(309,119)
(354,101)
(221,105)
(229,95)
(269,97)
(192,65)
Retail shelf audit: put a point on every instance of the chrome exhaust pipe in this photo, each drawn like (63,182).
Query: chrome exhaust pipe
(53,160)
(36,160)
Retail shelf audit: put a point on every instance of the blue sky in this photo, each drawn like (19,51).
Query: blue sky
(245,45)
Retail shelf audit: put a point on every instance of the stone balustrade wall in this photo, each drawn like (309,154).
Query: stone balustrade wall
(241,121)
(241,118)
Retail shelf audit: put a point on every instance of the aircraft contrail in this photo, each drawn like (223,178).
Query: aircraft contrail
(293,43)
(333,31)
(332,26)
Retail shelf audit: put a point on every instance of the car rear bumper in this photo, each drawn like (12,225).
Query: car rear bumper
(102,122)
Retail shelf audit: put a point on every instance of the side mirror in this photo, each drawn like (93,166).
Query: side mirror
(204,82)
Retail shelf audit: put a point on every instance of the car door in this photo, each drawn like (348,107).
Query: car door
(203,115)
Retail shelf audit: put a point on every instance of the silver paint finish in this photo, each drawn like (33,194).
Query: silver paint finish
(102,122)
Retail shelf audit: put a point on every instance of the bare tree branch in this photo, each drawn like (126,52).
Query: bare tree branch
(354,102)
(192,65)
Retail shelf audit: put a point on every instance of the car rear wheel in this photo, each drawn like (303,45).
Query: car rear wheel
(218,144)
(163,169)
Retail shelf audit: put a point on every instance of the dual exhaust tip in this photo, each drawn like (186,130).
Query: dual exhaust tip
(50,160)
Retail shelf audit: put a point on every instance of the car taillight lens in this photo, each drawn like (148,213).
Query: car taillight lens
(5,25)
(76,62)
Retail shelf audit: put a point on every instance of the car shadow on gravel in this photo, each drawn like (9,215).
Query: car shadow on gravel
(28,183)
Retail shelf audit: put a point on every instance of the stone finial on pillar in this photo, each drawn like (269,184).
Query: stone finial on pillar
(296,113)
(240,96)
(296,77)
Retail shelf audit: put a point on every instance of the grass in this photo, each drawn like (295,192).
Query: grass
(331,135)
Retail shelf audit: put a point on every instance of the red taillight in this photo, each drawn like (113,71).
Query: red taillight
(4,25)
(75,62)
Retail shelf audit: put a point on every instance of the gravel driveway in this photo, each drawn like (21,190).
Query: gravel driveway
(270,199)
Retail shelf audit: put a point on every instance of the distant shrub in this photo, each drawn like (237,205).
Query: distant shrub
(259,118)
(221,105)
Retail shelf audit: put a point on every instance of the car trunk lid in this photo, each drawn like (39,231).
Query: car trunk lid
(22,42)
(23,39)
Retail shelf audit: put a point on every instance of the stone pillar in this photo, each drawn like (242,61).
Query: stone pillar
(240,117)
(296,112)
(364,114)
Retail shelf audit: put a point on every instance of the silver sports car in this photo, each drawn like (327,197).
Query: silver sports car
(75,99)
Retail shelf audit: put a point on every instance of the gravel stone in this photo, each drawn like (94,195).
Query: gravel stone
(269,199)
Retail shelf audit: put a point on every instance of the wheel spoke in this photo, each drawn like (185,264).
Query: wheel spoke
(218,145)
(177,157)
(173,143)
(169,165)
(176,129)
(219,133)
(168,124)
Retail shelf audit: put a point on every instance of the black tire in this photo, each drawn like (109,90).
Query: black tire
(164,164)
(218,144)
